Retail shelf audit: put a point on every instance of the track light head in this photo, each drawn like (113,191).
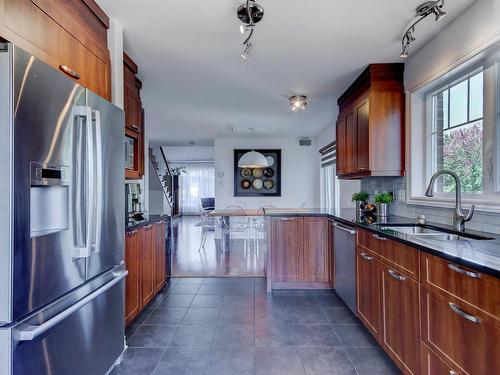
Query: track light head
(298,102)
(404,52)
(439,13)
(245,28)
(246,50)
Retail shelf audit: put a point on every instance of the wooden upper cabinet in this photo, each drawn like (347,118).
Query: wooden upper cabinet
(69,35)
(400,319)
(287,253)
(368,290)
(341,146)
(373,109)
(134,116)
(132,282)
(317,250)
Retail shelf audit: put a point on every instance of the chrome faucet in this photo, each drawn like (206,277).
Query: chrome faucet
(459,218)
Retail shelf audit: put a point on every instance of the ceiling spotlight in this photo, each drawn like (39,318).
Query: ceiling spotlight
(246,50)
(422,11)
(298,102)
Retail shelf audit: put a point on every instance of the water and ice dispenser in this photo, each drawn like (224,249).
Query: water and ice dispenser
(49,199)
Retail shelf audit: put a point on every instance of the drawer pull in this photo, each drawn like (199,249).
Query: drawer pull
(134,126)
(394,275)
(455,268)
(452,372)
(69,71)
(376,236)
(366,257)
(132,232)
(147,227)
(463,314)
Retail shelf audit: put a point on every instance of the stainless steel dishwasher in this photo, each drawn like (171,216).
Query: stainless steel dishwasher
(344,242)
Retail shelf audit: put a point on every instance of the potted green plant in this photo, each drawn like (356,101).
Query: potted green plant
(382,202)
(360,199)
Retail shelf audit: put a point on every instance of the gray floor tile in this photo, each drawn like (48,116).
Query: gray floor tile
(354,335)
(329,300)
(278,361)
(207,315)
(139,319)
(177,300)
(138,361)
(169,315)
(231,300)
(190,281)
(193,336)
(234,335)
(340,315)
(240,315)
(184,289)
(230,361)
(208,300)
(315,336)
(291,315)
(183,361)
(326,361)
(372,361)
(275,335)
(212,289)
(153,336)
(130,330)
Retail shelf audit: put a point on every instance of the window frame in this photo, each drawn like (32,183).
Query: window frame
(418,132)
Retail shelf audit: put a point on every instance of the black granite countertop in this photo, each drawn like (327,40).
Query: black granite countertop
(148,219)
(481,255)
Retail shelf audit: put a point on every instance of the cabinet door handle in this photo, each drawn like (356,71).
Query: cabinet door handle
(134,126)
(376,236)
(363,169)
(147,227)
(463,314)
(366,257)
(455,268)
(69,71)
(345,229)
(132,232)
(452,372)
(394,275)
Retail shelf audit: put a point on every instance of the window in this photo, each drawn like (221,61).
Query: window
(457,132)
(455,125)
(328,178)
(198,182)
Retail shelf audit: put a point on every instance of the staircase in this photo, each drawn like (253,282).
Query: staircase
(165,177)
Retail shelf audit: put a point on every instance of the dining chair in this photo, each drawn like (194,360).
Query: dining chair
(239,224)
(207,224)
(259,227)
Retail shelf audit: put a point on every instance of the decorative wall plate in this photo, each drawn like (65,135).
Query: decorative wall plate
(257,172)
(270,161)
(246,184)
(257,184)
(268,172)
(246,172)
(268,184)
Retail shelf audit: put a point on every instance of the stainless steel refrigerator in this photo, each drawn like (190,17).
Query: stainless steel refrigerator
(61,222)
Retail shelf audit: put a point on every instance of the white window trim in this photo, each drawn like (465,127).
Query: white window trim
(416,137)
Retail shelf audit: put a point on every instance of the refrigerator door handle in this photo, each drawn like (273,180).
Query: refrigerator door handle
(29,332)
(96,117)
(84,246)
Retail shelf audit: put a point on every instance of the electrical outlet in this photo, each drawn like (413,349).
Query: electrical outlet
(401,196)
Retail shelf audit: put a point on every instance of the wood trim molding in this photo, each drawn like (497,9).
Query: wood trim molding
(99,13)
(130,63)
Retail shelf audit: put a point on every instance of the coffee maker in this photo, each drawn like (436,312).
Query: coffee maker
(134,204)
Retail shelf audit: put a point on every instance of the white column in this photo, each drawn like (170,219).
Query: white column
(115,46)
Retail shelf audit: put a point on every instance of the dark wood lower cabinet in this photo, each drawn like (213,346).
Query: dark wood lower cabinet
(146,262)
(368,290)
(433,365)
(132,282)
(400,319)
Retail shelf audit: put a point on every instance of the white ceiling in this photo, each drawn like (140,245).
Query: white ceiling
(196,86)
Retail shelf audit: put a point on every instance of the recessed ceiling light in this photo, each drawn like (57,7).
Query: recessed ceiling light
(246,50)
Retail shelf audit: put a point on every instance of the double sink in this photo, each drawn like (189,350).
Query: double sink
(431,232)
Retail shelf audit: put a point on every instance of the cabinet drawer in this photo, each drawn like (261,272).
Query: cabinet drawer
(404,258)
(433,365)
(465,341)
(446,278)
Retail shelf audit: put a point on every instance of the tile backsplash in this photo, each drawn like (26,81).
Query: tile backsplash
(481,221)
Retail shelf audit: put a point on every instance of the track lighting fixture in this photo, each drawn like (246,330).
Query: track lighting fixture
(249,13)
(422,11)
(298,102)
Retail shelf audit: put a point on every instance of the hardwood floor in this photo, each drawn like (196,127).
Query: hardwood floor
(190,260)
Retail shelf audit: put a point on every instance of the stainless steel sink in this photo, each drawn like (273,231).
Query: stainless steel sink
(431,232)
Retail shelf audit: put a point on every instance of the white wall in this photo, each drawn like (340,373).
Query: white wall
(189,153)
(299,178)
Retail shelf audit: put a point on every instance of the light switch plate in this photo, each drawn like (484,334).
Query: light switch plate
(401,196)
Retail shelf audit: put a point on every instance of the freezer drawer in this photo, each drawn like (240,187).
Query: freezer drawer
(86,338)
